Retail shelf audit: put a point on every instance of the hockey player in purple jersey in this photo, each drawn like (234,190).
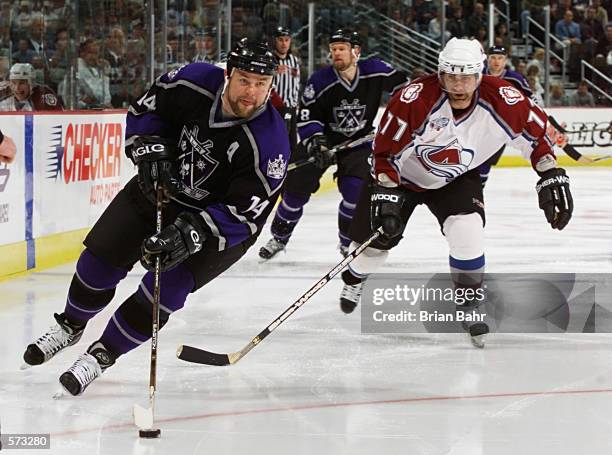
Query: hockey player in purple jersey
(339,104)
(220,151)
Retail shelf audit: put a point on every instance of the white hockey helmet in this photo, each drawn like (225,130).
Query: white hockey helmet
(21,71)
(461,56)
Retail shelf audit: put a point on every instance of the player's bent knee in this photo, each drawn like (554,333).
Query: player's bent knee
(369,261)
(465,235)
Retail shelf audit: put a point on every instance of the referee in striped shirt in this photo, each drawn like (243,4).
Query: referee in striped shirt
(287,79)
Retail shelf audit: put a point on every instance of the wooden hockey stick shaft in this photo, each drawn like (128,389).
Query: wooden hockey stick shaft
(196,355)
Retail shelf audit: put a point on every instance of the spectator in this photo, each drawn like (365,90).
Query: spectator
(591,27)
(92,85)
(604,47)
(558,97)
(502,37)
(521,67)
(582,96)
(600,12)
(26,96)
(477,20)
(457,25)
(205,43)
(114,54)
(23,54)
(567,30)
(533,86)
(534,71)
(24,18)
(537,60)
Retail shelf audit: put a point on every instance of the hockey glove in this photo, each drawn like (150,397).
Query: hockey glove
(175,243)
(155,158)
(385,210)
(555,198)
(317,149)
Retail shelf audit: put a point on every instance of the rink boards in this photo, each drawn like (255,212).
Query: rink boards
(69,166)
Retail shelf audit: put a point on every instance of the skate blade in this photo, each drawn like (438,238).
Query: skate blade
(143,417)
(478,341)
(25,366)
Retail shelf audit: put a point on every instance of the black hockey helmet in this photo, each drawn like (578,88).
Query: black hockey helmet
(207,31)
(345,36)
(282,31)
(497,50)
(252,56)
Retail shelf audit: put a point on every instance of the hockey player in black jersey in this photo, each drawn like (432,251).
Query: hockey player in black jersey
(339,103)
(220,151)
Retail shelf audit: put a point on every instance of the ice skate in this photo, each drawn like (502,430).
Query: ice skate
(351,292)
(87,368)
(472,321)
(269,250)
(58,337)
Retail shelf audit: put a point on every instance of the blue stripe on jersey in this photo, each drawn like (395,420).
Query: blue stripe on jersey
(467,264)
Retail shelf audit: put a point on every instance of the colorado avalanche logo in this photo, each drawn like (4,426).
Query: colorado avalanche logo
(349,117)
(411,93)
(447,161)
(511,95)
(195,163)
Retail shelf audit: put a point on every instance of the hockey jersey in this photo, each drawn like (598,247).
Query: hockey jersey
(421,145)
(516,79)
(42,98)
(345,111)
(232,169)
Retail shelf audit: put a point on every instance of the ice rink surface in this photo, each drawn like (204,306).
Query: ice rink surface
(317,385)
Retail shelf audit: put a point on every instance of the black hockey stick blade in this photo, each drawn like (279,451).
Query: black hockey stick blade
(195,355)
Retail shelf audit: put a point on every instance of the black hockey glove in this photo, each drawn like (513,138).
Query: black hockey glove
(156,160)
(385,210)
(174,243)
(317,149)
(555,198)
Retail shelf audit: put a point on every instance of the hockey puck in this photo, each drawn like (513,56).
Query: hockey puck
(149,434)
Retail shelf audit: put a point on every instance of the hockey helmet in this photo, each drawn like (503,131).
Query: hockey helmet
(461,56)
(281,31)
(344,36)
(253,57)
(21,71)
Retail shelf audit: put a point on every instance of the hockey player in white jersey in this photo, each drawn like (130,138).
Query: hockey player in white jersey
(432,137)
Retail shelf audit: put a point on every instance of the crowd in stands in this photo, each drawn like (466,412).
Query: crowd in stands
(93,55)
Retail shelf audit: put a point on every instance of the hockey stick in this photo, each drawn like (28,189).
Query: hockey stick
(584,129)
(570,150)
(143,417)
(338,148)
(196,355)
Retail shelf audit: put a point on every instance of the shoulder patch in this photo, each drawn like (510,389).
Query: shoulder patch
(511,95)
(276,168)
(309,92)
(50,99)
(172,74)
(411,93)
